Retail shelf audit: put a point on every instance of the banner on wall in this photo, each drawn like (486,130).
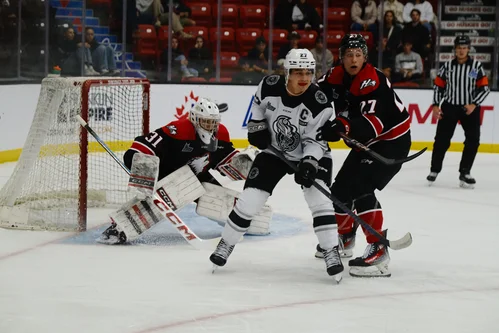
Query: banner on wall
(172,102)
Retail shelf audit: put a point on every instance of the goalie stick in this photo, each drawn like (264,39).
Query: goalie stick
(159,201)
(398,244)
(382,159)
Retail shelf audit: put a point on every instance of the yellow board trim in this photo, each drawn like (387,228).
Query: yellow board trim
(94,147)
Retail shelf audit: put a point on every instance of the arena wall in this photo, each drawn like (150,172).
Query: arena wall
(169,102)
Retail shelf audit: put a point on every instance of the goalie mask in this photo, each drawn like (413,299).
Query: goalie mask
(205,117)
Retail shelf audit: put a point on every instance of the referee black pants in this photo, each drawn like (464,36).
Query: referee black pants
(445,130)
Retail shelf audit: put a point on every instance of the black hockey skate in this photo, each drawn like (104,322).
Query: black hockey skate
(466,181)
(432,177)
(112,236)
(334,266)
(221,254)
(346,244)
(373,263)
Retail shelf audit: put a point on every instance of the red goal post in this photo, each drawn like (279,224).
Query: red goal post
(62,171)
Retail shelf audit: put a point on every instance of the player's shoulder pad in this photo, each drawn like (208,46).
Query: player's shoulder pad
(223,133)
(180,130)
(272,85)
(335,75)
(366,82)
(316,100)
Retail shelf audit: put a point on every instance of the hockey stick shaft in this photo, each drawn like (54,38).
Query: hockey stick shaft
(160,203)
(396,245)
(382,159)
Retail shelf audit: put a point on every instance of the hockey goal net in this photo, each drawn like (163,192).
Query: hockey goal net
(62,170)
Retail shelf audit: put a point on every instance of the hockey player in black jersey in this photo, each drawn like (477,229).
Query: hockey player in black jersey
(370,112)
(286,114)
(185,151)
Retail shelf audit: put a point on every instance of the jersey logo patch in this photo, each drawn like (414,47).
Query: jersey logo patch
(320,97)
(253,173)
(271,80)
(270,107)
(287,135)
(172,129)
(367,83)
(473,74)
(187,148)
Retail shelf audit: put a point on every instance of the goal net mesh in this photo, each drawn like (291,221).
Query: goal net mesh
(62,170)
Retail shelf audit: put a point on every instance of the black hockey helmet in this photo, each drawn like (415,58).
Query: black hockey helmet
(462,40)
(353,41)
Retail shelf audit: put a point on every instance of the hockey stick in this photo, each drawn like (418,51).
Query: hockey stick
(159,200)
(382,159)
(398,244)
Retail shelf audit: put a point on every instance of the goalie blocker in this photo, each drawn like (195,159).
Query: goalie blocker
(177,190)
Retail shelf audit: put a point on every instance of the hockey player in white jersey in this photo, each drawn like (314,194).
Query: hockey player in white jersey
(287,113)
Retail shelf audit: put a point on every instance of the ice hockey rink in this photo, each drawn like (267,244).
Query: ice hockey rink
(447,281)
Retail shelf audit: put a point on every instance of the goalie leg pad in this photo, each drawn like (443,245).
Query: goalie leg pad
(143,174)
(180,188)
(135,217)
(217,203)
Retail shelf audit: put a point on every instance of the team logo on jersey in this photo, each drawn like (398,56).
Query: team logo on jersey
(271,80)
(287,135)
(187,148)
(253,173)
(270,107)
(473,74)
(320,97)
(335,94)
(367,83)
(172,129)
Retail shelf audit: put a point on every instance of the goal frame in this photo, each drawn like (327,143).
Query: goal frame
(85,92)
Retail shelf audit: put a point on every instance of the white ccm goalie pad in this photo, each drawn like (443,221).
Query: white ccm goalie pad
(217,203)
(178,189)
(143,174)
(237,165)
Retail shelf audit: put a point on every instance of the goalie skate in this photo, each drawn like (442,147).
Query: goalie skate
(112,236)
(373,263)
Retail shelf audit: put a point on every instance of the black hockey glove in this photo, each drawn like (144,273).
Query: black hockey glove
(258,133)
(332,129)
(307,171)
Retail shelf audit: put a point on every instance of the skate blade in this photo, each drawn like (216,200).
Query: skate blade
(109,241)
(466,186)
(430,183)
(338,277)
(371,272)
(214,269)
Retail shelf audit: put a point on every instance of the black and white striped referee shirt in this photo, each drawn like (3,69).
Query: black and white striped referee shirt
(461,84)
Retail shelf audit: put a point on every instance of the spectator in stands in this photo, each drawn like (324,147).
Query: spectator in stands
(201,58)
(247,75)
(73,53)
(318,53)
(364,14)
(392,37)
(182,10)
(294,39)
(151,12)
(102,54)
(418,34)
(296,15)
(180,62)
(408,65)
(258,56)
(425,9)
(395,7)
(8,39)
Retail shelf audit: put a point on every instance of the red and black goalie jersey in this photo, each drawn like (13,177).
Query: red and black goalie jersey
(176,145)
(374,110)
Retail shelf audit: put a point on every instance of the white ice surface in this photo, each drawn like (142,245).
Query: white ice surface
(447,281)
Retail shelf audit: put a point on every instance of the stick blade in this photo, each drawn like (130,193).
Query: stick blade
(401,243)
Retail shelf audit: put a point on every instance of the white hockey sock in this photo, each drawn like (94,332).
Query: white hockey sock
(232,233)
(327,236)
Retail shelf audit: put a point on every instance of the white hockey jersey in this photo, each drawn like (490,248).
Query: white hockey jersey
(292,120)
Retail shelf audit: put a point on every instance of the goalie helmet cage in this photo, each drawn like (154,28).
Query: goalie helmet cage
(62,170)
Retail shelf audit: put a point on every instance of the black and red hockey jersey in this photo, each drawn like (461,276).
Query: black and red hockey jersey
(374,110)
(177,144)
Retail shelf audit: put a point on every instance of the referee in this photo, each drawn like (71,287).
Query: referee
(460,87)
